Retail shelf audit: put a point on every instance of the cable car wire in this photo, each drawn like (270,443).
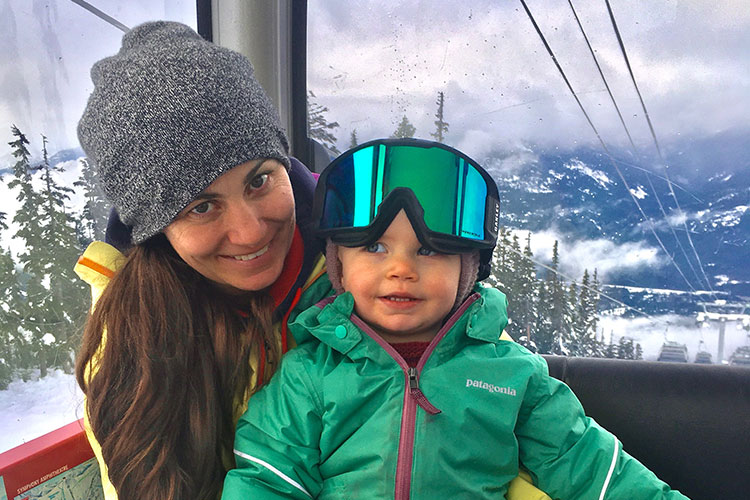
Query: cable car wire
(604,145)
(654,174)
(601,74)
(632,77)
(630,138)
(674,233)
(98,13)
(656,143)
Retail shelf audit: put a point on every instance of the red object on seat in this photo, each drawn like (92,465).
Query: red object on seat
(39,460)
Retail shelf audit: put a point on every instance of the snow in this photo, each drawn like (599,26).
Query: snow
(639,193)
(31,409)
(723,279)
(600,177)
(725,218)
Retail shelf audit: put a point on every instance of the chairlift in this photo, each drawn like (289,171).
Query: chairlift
(703,356)
(673,352)
(741,355)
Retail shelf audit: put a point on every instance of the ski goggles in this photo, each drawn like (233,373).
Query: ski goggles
(452,202)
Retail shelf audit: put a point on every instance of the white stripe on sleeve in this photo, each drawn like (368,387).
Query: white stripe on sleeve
(611,470)
(274,470)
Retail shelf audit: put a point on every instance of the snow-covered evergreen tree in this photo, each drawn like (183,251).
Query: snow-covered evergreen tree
(441,126)
(610,350)
(8,324)
(573,316)
(502,267)
(625,348)
(525,297)
(585,320)
(93,221)
(547,316)
(543,333)
(63,305)
(551,335)
(51,302)
(638,352)
(353,141)
(20,311)
(318,126)
(405,129)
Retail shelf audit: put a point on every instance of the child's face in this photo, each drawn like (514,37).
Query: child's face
(402,290)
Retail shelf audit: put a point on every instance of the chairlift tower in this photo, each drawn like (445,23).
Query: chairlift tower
(708,317)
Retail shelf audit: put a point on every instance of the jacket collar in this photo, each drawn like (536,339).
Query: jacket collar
(306,244)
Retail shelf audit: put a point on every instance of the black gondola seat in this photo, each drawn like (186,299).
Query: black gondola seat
(689,423)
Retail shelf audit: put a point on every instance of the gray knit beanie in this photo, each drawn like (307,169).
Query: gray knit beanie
(169,114)
(466,280)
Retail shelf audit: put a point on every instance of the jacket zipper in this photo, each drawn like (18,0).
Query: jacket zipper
(413,396)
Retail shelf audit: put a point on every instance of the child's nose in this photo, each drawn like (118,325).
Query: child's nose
(402,267)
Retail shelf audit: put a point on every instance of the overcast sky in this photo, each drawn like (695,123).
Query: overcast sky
(371,62)
(690,59)
(47,48)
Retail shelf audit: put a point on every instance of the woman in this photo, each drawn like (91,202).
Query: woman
(218,251)
(218,254)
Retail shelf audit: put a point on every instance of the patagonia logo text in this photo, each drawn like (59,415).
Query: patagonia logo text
(490,387)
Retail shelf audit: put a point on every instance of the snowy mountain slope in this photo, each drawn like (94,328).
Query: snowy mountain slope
(580,196)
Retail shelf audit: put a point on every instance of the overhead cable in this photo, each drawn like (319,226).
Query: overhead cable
(601,74)
(654,174)
(630,138)
(603,144)
(674,233)
(98,13)
(656,143)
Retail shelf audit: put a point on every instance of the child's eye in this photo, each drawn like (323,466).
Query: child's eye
(202,208)
(258,181)
(375,248)
(426,252)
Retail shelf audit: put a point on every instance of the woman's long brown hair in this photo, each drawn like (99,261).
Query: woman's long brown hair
(163,382)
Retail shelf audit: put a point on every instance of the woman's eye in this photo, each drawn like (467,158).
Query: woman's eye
(375,248)
(202,208)
(426,252)
(258,181)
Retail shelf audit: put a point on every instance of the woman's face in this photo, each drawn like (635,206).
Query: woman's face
(238,231)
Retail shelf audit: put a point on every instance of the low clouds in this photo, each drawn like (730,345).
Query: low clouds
(606,256)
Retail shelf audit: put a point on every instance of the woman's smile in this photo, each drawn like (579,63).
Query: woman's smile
(251,256)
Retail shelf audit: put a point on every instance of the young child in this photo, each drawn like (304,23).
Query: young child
(411,389)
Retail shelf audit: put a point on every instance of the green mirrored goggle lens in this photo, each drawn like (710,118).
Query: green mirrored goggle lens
(451,191)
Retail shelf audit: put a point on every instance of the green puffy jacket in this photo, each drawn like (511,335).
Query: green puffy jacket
(347,418)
